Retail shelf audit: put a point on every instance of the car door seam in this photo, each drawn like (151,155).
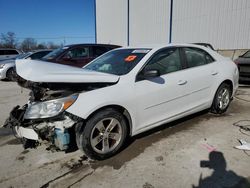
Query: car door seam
(175,98)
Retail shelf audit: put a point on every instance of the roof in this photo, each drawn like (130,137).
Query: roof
(92,44)
(158,46)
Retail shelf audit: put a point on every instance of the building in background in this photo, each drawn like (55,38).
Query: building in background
(223,23)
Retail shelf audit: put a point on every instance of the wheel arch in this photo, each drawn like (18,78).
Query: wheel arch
(120,109)
(229,82)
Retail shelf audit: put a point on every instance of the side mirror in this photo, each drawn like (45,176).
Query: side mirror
(146,74)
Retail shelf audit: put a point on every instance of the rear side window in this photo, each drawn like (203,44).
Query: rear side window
(99,50)
(197,57)
(165,61)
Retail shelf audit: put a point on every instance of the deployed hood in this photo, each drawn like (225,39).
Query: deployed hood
(41,71)
(50,80)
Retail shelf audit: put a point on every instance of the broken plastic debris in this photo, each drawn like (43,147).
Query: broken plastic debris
(244,145)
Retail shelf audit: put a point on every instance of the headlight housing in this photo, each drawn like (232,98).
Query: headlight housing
(50,108)
(1,66)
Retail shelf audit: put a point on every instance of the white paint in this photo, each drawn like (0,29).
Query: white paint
(159,100)
(26,133)
(41,71)
(151,103)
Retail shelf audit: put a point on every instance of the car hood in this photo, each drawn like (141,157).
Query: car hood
(41,71)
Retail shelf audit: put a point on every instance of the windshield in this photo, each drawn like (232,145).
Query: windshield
(22,56)
(118,62)
(247,54)
(54,53)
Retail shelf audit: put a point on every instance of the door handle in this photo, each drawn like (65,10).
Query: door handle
(214,73)
(182,82)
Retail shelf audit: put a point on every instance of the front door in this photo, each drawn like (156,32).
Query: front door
(162,97)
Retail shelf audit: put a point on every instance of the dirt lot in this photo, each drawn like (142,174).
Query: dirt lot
(169,156)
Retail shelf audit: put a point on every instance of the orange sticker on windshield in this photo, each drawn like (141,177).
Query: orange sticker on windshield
(130,58)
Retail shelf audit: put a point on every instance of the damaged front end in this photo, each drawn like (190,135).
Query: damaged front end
(47,120)
(45,116)
(54,88)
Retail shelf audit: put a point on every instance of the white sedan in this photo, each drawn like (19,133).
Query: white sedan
(122,93)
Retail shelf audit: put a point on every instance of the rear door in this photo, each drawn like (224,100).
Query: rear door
(200,73)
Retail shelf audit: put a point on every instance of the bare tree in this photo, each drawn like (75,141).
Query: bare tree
(41,46)
(9,40)
(51,45)
(28,44)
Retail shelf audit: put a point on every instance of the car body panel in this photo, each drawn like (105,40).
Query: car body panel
(11,63)
(6,53)
(202,83)
(243,64)
(50,72)
(8,64)
(149,102)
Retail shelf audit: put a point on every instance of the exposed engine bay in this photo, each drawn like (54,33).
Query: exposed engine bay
(41,91)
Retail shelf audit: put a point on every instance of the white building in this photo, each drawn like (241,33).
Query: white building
(223,23)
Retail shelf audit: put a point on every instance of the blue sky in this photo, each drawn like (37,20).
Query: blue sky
(45,20)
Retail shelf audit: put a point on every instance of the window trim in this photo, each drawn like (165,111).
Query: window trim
(197,49)
(153,55)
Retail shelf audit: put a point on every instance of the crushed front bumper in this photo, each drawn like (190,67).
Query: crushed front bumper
(15,121)
(54,130)
(16,117)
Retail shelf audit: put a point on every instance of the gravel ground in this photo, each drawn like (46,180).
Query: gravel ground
(197,151)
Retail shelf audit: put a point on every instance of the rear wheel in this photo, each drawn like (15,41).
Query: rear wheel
(221,99)
(103,135)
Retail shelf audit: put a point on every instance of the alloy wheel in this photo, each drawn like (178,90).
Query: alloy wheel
(223,98)
(106,135)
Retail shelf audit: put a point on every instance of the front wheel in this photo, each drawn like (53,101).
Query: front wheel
(10,74)
(221,99)
(104,134)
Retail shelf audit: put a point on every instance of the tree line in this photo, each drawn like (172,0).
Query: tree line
(9,40)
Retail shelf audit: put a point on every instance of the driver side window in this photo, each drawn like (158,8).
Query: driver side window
(165,61)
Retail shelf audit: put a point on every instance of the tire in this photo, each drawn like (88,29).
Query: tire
(103,134)
(222,99)
(10,74)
